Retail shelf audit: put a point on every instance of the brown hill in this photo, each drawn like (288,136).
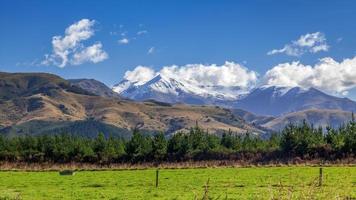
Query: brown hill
(317,117)
(251,117)
(30,98)
(95,87)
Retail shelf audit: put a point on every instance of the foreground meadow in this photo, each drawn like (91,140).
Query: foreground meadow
(207,183)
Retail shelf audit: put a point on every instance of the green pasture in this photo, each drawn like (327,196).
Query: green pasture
(207,183)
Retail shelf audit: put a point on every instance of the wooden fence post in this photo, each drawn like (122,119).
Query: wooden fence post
(320,176)
(206,191)
(157,173)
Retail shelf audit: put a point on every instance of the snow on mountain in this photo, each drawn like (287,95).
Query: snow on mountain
(277,91)
(273,100)
(264,100)
(168,89)
(122,86)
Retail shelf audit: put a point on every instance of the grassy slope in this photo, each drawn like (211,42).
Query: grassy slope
(233,183)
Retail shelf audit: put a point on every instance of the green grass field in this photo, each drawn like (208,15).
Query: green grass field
(224,183)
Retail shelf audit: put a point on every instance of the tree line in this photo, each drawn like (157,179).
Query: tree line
(302,140)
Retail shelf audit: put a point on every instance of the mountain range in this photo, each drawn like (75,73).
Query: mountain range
(264,100)
(38,103)
(170,90)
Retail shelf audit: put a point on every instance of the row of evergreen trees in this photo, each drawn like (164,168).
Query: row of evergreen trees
(302,140)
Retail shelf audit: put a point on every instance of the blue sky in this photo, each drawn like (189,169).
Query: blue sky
(179,32)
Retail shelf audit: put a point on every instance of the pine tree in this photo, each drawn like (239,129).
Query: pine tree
(159,146)
(139,147)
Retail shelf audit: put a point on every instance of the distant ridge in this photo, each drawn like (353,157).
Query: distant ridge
(280,100)
(95,87)
(317,117)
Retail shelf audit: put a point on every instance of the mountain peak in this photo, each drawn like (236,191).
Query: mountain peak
(170,90)
(157,78)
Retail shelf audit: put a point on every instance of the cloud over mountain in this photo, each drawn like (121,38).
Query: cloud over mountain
(328,75)
(69,49)
(140,74)
(227,75)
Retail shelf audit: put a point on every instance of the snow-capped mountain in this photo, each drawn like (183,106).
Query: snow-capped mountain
(281,100)
(167,89)
(264,100)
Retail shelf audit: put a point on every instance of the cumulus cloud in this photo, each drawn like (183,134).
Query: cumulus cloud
(327,75)
(68,49)
(140,75)
(310,42)
(124,41)
(92,54)
(229,74)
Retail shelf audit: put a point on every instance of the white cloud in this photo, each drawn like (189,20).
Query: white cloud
(322,47)
(69,45)
(124,41)
(310,42)
(151,50)
(92,53)
(288,75)
(140,74)
(229,74)
(287,49)
(328,75)
(142,32)
(34,62)
(310,39)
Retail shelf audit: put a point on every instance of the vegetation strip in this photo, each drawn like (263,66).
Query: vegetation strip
(298,143)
